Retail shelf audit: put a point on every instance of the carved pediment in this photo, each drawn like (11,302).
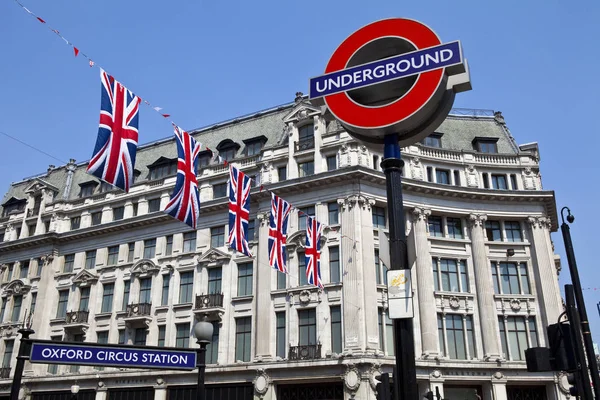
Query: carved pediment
(296,239)
(301,112)
(38,184)
(17,287)
(214,256)
(84,278)
(144,267)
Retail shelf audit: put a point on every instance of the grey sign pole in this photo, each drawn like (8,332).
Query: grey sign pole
(24,350)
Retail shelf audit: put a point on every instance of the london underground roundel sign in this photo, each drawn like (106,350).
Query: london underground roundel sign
(393,76)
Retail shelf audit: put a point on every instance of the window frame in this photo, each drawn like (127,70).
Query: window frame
(188,285)
(217,236)
(245,279)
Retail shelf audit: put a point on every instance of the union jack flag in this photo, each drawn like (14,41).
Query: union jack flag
(239,210)
(185,201)
(278,221)
(313,252)
(114,155)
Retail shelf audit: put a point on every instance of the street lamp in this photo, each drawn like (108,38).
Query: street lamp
(203,330)
(74,390)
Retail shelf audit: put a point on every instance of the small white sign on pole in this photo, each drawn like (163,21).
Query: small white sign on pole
(400,300)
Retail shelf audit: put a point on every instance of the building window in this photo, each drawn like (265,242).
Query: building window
(513,335)
(166,281)
(107,297)
(510,278)
(513,231)
(53,368)
(376,165)
(69,263)
(63,299)
(90,259)
(153,205)
(454,226)
(24,272)
(280,334)
(243,333)
(166,168)
(380,269)
(9,271)
(126,291)
(456,178)
(134,209)
(105,187)
(303,213)
(281,280)
(217,236)
(336,329)
(442,176)
(186,286)
(486,145)
(433,140)
(214,280)
(182,339)
(162,334)
(169,246)
(386,333)
(146,290)
(307,327)
(251,232)
(149,248)
(219,190)
(84,299)
(493,232)
(203,161)
(113,255)
(334,264)
(331,163)
(499,182)
(40,267)
(87,189)
(244,279)
(16,311)
(96,218)
(212,349)
(306,132)
(189,242)
(306,169)
(435,226)
(513,182)
(33,303)
(378,215)
(228,153)
(121,338)
(118,213)
(333,213)
(302,278)
(253,148)
(458,335)
(31,229)
(103,337)
(3,309)
(282,173)
(75,223)
(130,251)
(8,351)
(429,174)
(140,337)
(450,275)
(2,236)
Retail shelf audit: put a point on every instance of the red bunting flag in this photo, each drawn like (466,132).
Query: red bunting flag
(166,115)
(41,20)
(91,63)
(76,50)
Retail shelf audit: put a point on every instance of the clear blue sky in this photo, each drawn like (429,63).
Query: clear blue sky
(207,61)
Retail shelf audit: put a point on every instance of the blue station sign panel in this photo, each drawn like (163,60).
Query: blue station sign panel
(112,356)
(396,67)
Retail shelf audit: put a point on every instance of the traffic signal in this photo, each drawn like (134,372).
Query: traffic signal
(428,395)
(383,386)
(571,378)
(562,347)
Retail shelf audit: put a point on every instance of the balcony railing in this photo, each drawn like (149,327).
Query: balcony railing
(140,309)
(305,352)
(305,144)
(77,317)
(209,300)
(5,373)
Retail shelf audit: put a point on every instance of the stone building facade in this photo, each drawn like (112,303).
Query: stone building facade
(100,265)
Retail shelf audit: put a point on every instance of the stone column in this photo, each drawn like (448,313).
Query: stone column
(142,206)
(485,291)
(292,167)
(352,276)
(86,219)
(128,210)
(366,244)
(499,386)
(164,200)
(544,271)
(160,390)
(263,307)
(101,392)
(425,284)
(107,214)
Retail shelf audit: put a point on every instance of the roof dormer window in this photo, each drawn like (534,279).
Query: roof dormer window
(486,145)
(204,158)
(228,149)
(254,145)
(87,188)
(13,205)
(162,167)
(433,140)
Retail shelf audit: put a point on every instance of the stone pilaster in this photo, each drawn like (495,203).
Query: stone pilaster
(128,210)
(366,244)
(262,304)
(485,291)
(425,284)
(545,274)
(107,214)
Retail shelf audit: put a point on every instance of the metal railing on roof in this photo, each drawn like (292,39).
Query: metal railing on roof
(474,112)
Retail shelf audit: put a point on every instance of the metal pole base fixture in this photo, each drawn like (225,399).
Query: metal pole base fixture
(405,381)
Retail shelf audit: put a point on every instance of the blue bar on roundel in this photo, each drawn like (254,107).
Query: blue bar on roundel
(388,69)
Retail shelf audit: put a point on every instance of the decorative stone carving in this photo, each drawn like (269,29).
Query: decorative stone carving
(144,267)
(416,168)
(84,278)
(374,371)
(436,373)
(540,222)
(16,287)
(304,297)
(261,382)
(472,176)
(528,179)
(214,257)
(515,305)
(352,378)
(563,383)
(476,220)
(498,375)
(454,302)
(420,213)
(160,381)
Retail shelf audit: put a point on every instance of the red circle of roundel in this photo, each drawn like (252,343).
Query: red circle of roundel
(425,86)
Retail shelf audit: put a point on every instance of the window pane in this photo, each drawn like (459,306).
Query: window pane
(186,285)
(378,214)
(307,324)
(333,213)
(243,339)
(107,297)
(183,335)
(524,279)
(435,226)
(214,280)
(212,349)
(245,279)
(169,246)
(165,289)
(302,279)
(334,263)
(280,334)
(336,329)
(454,228)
